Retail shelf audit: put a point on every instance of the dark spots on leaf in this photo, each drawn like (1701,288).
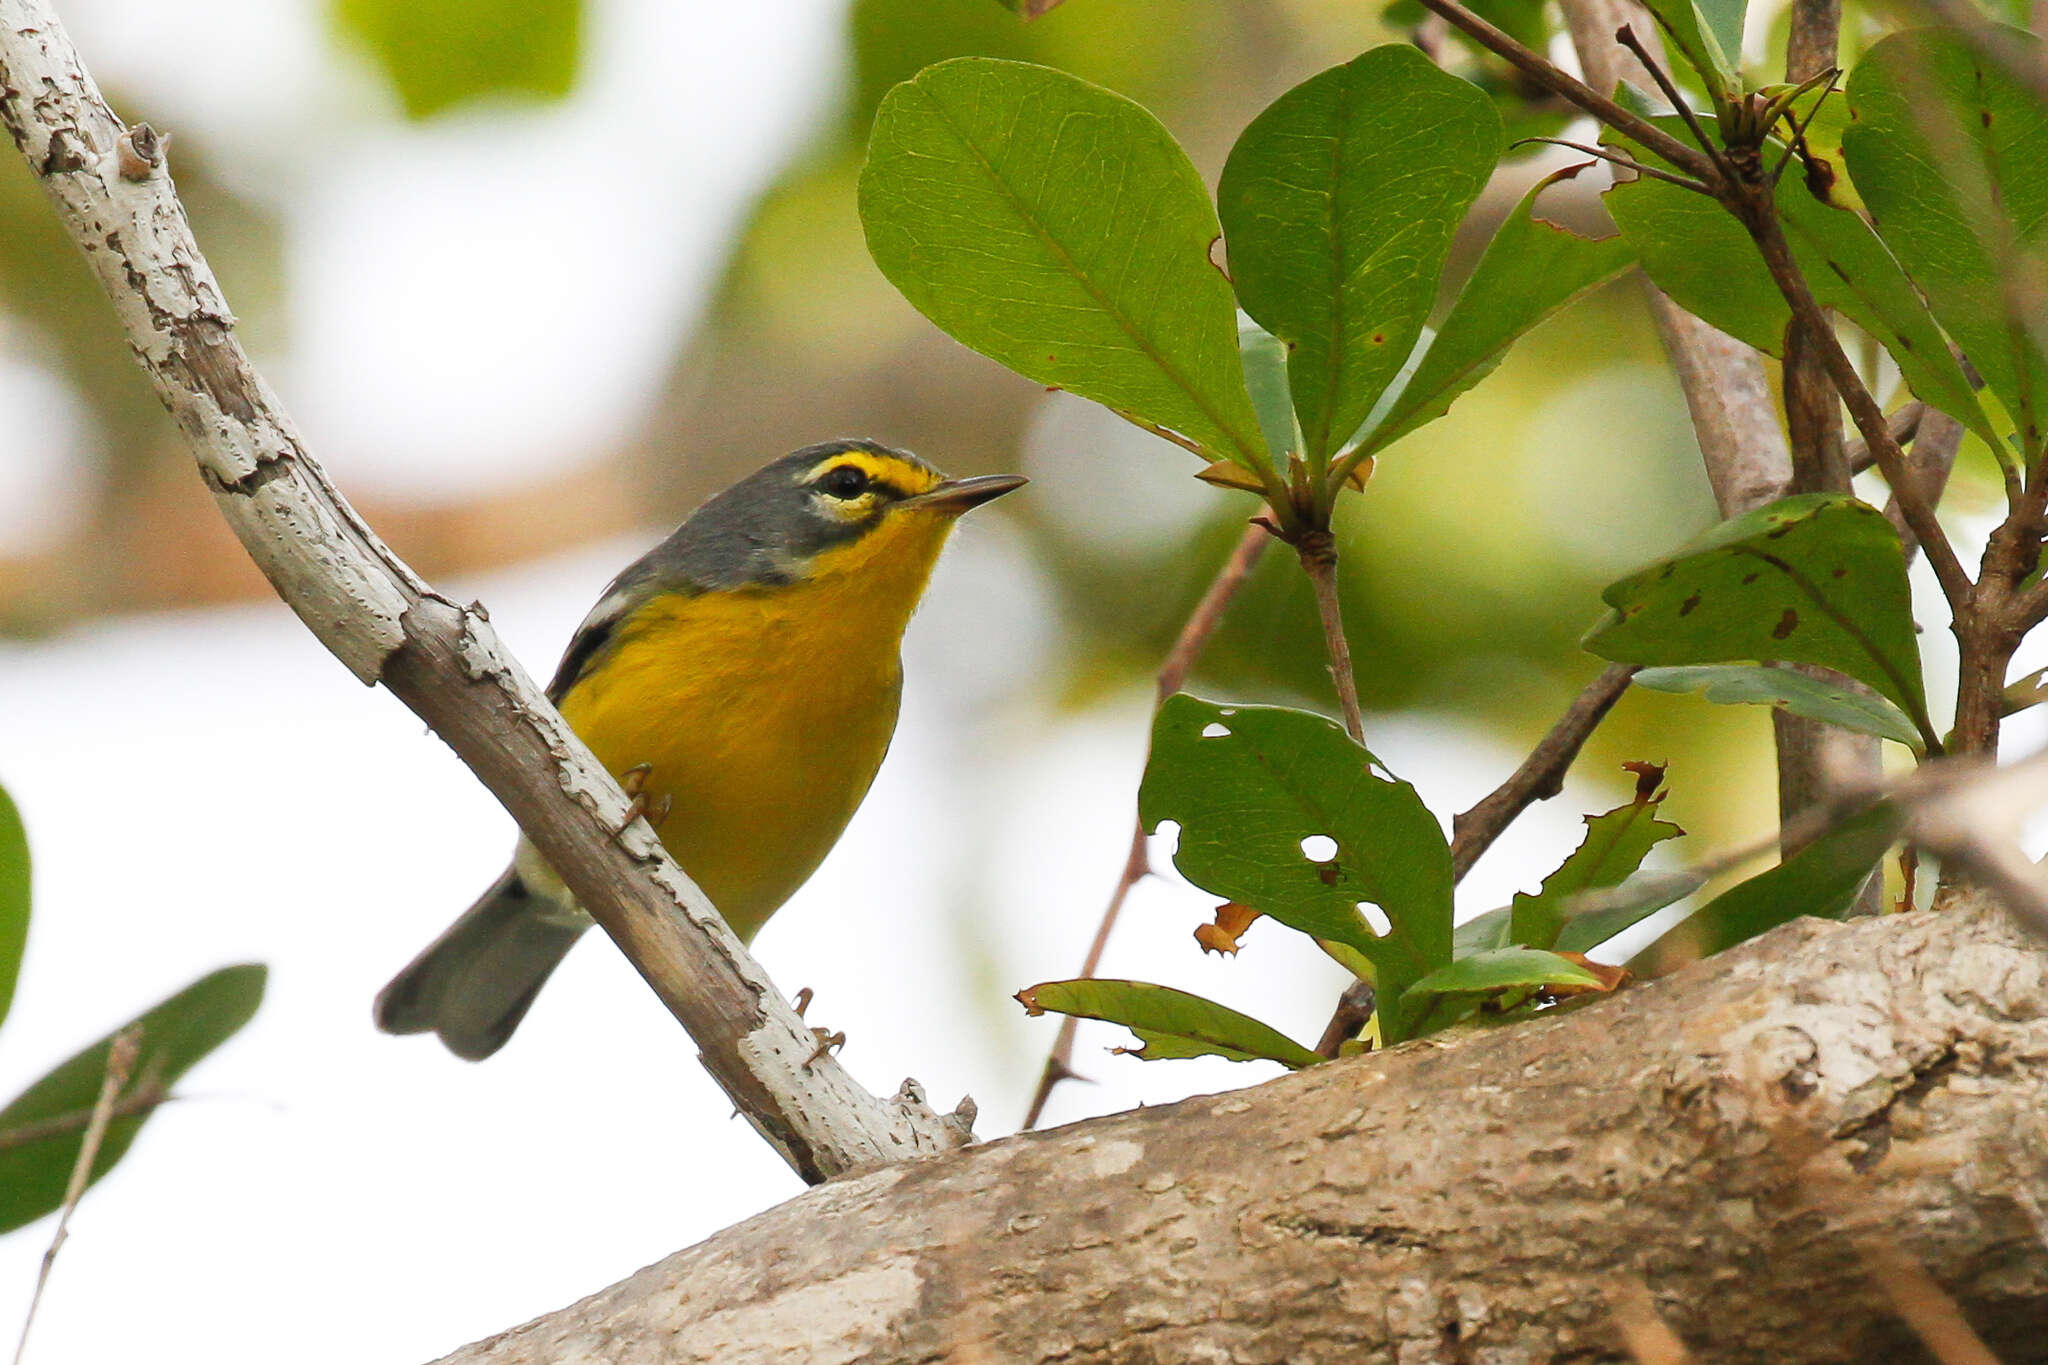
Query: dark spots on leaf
(1903,343)
(1985,114)
(1838,572)
(1778,532)
(1840,273)
(1666,572)
(1379,338)
(1329,874)
(1748,578)
(1689,605)
(1787,623)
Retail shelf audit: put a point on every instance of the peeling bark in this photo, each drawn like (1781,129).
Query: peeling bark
(1727,1136)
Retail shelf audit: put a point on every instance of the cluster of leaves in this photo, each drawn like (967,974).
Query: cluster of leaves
(1057,228)
(43,1129)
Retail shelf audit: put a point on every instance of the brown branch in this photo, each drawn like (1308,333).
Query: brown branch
(1936,437)
(1173,671)
(1541,775)
(121,1054)
(1318,552)
(1559,82)
(1904,425)
(1469,1195)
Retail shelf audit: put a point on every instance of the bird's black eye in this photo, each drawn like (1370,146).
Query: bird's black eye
(845,482)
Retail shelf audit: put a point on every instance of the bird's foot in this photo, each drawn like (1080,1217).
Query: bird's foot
(633,782)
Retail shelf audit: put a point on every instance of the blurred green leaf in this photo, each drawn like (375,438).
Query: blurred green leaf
(1170,1023)
(1500,969)
(1815,579)
(14,899)
(1696,252)
(1059,229)
(1947,148)
(1709,34)
(175,1035)
(1764,685)
(1249,785)
(1482,933)
(1339,203)
(442,53)
(1821,880)
(1531,269)
(1614,848)
(1265,376)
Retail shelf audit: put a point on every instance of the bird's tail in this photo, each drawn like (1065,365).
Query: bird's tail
(474,984)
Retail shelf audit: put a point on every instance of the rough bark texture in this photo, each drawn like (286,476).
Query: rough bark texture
(1726,1136)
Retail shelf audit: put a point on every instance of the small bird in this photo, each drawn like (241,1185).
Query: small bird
(741,679)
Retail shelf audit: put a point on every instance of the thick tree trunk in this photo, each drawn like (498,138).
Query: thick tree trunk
(1755,1139)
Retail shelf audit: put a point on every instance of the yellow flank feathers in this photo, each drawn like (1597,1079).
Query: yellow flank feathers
(762,712)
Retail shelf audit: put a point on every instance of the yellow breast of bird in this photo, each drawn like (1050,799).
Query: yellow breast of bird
(762,713)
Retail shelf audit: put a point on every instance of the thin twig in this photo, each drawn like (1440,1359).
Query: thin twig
(121,1054)
(1904,425)
(1173,671)
(1318,552)
(1541,775)
(1926,1307)
(1559,82)
(1625,162)
(1936,439)
(1649,1338)
(142,1100)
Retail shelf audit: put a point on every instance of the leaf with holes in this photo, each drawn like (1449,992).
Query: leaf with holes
(1170,1023)
(1821,880)
(1339,203)
(1531,269)
(1702,257)
(1059,229)
(1614,848)
(1946,148)
(14,898)
(1278,810)
(1813,579)
(41,1131)
(1802,695)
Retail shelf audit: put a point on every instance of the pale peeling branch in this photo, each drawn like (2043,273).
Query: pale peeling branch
(113,192)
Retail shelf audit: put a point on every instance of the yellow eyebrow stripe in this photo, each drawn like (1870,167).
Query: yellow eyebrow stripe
(901,475)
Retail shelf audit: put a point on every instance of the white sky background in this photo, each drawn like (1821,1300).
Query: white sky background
(208,787)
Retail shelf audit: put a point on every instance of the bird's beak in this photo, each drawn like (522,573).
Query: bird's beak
(957,495)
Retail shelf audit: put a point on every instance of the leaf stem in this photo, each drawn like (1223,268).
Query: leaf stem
(1173,671)
(1318,552)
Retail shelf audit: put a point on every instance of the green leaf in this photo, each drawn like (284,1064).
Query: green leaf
(1170,1023)
(1802,695)
(1614,847)
(1702,257)
(1481,932)
(1501,969)
(1709,34)
(14,899)
(1821,880)
(1339,203)
(1946,149)
(441,53)
(1248,785)
(1531,269)
(1813,579)
(175,1035)
(1059,229)
(1265,377)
